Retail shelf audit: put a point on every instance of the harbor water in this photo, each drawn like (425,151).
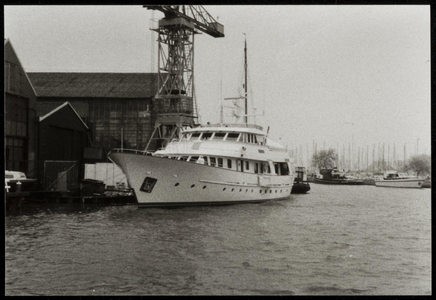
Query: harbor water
(335,240)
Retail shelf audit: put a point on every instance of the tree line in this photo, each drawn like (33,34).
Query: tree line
(327,159)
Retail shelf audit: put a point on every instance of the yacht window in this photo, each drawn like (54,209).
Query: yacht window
(261,168)
(206,135)
(184,158)
(219,135)
(193,159)
(266,167)
(276,168)
(220,162)
(241,165)
(206,160)
(255,139)
(184,136)
(229,163)
(284,170)
(232,137)
(256,168)
(212,161)
(195,135)
(247,165)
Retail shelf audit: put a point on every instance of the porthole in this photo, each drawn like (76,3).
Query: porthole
(260,191)
(240,190)
(270,191)
(233,190)
(176,184)
(251,190)
(276,191)
(281,191)
(192,186)
(246,190)
(204,187)
(224,189)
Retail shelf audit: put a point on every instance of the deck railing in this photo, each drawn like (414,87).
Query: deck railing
(135,151)
(233,125)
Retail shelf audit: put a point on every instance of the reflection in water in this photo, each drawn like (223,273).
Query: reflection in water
(335,240)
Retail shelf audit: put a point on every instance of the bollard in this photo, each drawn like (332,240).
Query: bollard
(18,187)
(7,186)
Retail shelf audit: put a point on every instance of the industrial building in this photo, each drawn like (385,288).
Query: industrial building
(57,122)
(20,115)
(117,107)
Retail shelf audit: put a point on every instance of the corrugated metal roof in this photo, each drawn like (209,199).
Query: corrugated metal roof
(97,85)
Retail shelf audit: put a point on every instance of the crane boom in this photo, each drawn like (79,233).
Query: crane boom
(201,19)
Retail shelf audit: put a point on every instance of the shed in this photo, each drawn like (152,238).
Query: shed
(62,139)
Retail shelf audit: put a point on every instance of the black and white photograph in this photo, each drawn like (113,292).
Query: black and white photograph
(217,150)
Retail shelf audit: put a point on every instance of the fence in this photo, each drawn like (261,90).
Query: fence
(109,173)
(61,175)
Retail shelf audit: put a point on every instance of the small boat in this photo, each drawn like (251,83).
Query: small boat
(399,180)
(17,182)
(368,181)
(300,185)
(334,176)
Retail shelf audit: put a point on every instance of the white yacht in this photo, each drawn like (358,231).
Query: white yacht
(399,180)
(210,164)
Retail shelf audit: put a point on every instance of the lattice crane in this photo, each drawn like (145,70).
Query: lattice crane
(174,103)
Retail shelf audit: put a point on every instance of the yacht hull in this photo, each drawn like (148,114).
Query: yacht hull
(166,182)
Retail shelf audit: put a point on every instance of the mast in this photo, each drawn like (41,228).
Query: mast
(245,85)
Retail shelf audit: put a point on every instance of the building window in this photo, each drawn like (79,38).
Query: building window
(117,122)
(16,154)
(13,77)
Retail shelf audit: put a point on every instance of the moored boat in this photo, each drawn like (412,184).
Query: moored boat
(301,184)
(209,164)
(399,180)
(334,176)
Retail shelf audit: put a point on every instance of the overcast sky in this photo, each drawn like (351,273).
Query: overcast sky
(329,74)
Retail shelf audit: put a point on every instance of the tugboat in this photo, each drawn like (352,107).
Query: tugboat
(300,185)
(334,176)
